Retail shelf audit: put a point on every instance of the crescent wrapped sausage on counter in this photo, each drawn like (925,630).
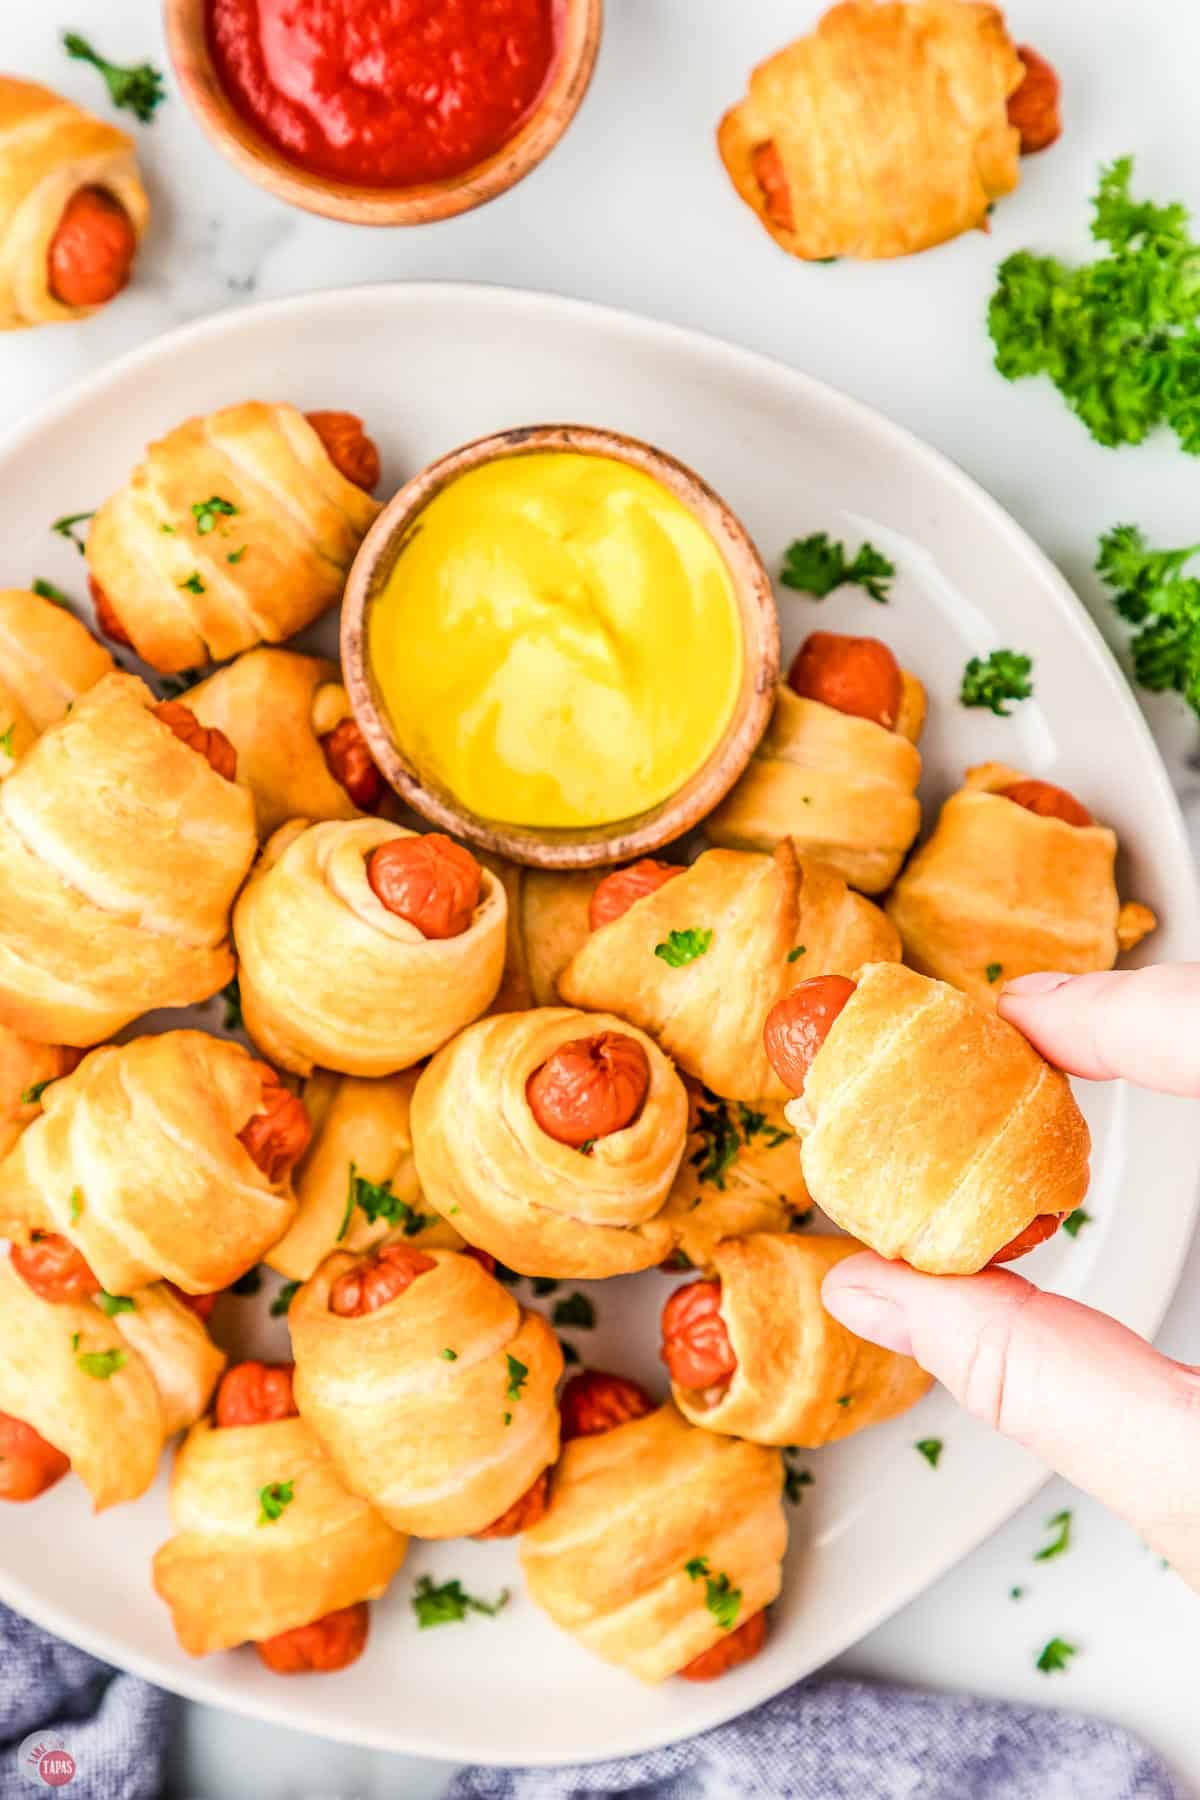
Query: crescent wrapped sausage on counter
(661,1546)
(47,660)
(753,1353)
(269,1547)
(237,528)
(166,1157)
(700,958)
(1016,877)
(363,947)
(551,1138)
(931,1129)
(838,768)
(97,1391)
(72,208)
(123,840)
(430,1388)
(298,749)
(357,1181)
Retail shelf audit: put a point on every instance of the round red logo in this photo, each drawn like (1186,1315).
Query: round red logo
(44,1761)
(56,1767)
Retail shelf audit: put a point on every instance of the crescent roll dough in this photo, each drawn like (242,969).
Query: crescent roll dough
(47,660)
(360,1149)
(741,1172)
(539,1205)
(887,126)
(105,1392)
(49,150)
(441,1446)
(121,850)
(274,707)
(328,975)
(844,789)
(801,1378)
(708,1013)
(1003,890)
(26,1069)
(547,924)
(230,1579)
(136,1159)
(932,1130)
(191,589)
(629,1510)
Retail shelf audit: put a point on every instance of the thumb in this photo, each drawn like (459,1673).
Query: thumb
(1083,1393)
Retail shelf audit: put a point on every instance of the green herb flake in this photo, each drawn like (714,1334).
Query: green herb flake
(48,591)
(74,1340)
(284,1298)
(207,512)
(1060,1525)
(1056,1655)
(102,1365)
(797,953)
(683,947)
(449,1603)
(576,1309)
(450,1355)
(518,1373)
(31,1096)
(795,1481)
(248,1284)
(844,1399)
(930,1449)
(193,584)
(1151,592)
(756,1124)
(696,1567)
(137,87)
(375,1200)
(508,1418)
(235,556)
(65,527)
(112,1304)
(274,1499)
(721,1598)
(1075,1221)
(816,565)
(6,741)
(991,680)
(586,1148)
(720,1141)
(1016,1593)
(231,994)
(76,1205)
(993,972)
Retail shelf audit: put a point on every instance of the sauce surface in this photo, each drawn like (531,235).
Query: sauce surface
(558,642)
(383,93)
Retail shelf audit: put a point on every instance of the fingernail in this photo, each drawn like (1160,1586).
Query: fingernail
(870,1316)
(1044,982)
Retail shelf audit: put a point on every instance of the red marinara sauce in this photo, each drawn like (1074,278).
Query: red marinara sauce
(384,93)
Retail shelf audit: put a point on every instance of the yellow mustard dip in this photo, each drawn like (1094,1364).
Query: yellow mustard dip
(558,642)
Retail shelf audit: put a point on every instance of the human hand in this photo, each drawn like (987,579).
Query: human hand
(1086,1395)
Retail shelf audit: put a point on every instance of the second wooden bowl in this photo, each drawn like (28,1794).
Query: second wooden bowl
(551,847)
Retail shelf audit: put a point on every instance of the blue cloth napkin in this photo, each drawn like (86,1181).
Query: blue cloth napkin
(822,1740)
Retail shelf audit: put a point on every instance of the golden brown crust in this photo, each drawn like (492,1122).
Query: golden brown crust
(890,126)
(547,923)
(629,1509)
(49,150)
(801,1377)
(709,1013)
(933,1131)
(440,1445)
(25,1067)
(47,660)
(999,888)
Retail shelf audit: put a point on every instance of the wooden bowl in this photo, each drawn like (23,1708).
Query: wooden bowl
(187,40)
(576,847)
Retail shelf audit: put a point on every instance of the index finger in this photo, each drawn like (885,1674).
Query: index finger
(1142,1025)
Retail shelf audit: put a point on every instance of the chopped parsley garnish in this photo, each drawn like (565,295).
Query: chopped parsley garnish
(207,512)
(930,1449)
(1060,1525)
(991,680)
(65,527)
(48,591)
(284,1298)
(32,1095)
(816,566)
(249,1283)
(1118,337)
(375,1200)
(1075,1221)
(6,741)
(101,1364)
(450,1355)
(797,953)
(844,1399)
(720,1597)
(543,1285)
(76,1205)
(138,87)
(993,972)
(795,1481)
(586,1148)
(193,584)
(683,946)
(724,1126)
(754,1124)
(449,1604)
(74,1340)
(231,994)
(235,556)
(576,1309)
(112,1304)
(508,1418)
(1151,592)
(518,1373)
(1056,1655)
(1016,1593)
(273,1499)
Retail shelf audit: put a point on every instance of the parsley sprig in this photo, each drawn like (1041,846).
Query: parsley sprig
(518,1374)
(375,1200)
(450,1603)
(274,1499)
(138,87)
(1060,1525)
(101,1365)
(683,947)
(1075,1221)
(991,680)
(207,512)
(930,1449)
(1056,1655)
(65,527)
(1152,592)
(725,1126)
(48,591)
(722,1599)
(816,565)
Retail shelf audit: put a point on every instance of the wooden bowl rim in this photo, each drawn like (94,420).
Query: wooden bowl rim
(253,156)
(581,847)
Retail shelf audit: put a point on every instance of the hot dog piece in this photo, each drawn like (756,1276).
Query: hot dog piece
(208,742)
(592,1402)
(1036,1232)
(333,1642)
(106,617)
(92,250)
(431,881)
(255,1393)
(201,1304)
(1033,107)
(745,1641)
(618,891)
(349,762)
(696,1346)
(589,1088)
(352,453)
(798,1025)
(524,1511)
(777,195)
(377,1280)
(28,1464)
(856,675)
(277,1136)
(1048,801)
(54,1269)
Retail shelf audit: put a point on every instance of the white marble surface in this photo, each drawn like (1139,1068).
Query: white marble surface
(633,209)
